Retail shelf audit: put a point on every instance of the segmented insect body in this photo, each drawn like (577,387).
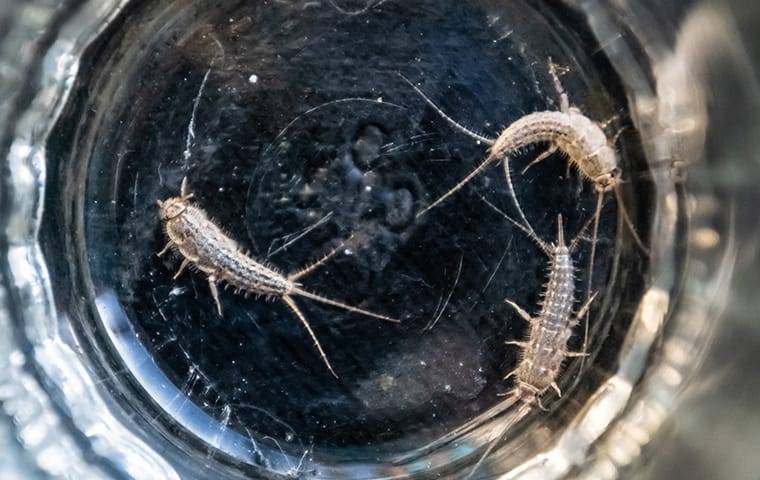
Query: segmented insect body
(545,349)
(569,131)
(201,242)
(205,246)
(546,346)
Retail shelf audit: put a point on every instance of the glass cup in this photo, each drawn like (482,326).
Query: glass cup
(307,130)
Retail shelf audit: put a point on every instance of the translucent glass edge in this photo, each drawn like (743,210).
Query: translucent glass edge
(60,364)
(706,33)
(628,409)
(31,163)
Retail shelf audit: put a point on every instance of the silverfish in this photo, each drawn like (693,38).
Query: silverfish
(204,246)
(545,348)
(569,131)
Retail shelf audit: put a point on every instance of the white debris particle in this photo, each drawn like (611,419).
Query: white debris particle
(386,382)
(253,79)
(17,358)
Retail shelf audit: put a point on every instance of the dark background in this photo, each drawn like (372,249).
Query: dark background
(713,434)
(329,132)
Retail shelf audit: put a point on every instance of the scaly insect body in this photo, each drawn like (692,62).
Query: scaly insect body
(545,349)
(581,139)
(546,346)
(205,246)
(567,130)
(200,241)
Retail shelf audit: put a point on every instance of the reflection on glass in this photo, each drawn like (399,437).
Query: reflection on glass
(296,133)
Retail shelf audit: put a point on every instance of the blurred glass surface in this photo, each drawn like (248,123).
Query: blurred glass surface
(296,131)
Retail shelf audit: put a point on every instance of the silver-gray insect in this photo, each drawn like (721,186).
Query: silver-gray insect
(581,139)
(205,246)
(545,348)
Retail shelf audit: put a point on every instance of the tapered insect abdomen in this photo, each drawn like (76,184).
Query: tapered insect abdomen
(530,129)
(546,346)
(208,248)
(568,130)
(204,243)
